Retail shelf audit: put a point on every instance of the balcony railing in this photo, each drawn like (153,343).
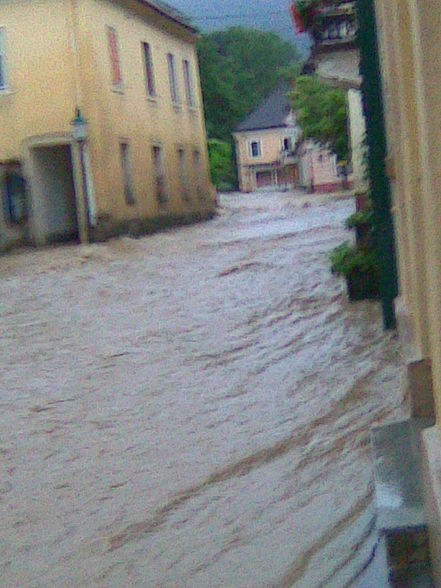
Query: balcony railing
(332,24)
(287,157)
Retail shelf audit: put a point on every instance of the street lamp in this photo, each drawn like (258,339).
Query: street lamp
(79,128)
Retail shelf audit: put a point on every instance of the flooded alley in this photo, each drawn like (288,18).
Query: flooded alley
(192,409)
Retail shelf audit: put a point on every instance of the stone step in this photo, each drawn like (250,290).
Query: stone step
(400,507)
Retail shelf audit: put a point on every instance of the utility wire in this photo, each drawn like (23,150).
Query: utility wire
(238,15)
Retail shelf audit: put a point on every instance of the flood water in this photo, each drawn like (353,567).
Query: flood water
(191,409)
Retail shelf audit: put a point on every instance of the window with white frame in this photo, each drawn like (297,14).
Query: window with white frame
(3,78)
(188,79)
(174,90)
(256,148)
(287,145)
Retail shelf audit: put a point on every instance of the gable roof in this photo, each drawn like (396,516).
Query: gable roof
(171,13)
(271,113)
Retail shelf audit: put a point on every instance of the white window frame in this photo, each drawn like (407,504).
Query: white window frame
(3,61)
(173,79)
(250,148)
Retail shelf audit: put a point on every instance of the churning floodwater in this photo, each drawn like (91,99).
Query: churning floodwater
(191,409)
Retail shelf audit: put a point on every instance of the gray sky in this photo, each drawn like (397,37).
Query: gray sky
(263,14)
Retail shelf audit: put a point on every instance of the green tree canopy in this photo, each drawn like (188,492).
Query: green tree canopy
(239,67)
(322,114)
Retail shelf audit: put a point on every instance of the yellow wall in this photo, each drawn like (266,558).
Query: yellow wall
(130,115)
(58,59)
(272,145)
(40,72)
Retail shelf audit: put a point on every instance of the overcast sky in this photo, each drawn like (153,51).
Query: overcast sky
(217,14)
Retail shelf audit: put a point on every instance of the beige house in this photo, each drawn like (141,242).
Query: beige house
(101,118)
(265,146)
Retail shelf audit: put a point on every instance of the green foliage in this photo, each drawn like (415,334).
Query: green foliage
(221,165)
(347,259)
(239,67)
(322,114)
(358,219)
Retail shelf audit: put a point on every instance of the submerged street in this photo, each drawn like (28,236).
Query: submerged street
(193,408)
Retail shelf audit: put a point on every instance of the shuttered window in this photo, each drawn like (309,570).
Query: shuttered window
(188,80)
(3,81)
(148,67)
(174,91)
(127,173)
(115,64)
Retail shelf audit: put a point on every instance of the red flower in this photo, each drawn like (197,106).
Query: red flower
(299,25)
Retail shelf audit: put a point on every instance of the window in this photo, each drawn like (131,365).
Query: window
(256,148)
(115,65)
(148,65)
(127,173)
(15,197)
(197,168)
(3,80)
(287,144)
(172,77)
(183,174)
(189,93)
(158,165)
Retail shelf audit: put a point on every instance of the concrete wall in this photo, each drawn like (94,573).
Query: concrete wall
(410,37)
(357,131)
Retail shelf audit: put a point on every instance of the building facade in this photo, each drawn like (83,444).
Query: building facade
(271,153)
(265,145)
(102,120)
(409,39)
(335,59)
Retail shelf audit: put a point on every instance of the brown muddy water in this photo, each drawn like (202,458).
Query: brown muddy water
(191,409)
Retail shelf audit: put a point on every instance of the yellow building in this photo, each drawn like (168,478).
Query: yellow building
(126,68)
(265,145)
(410,40)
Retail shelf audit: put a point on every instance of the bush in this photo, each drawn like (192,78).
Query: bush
(347,259)
(361,218)
(222,168)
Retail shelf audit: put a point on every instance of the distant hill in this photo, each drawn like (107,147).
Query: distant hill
(269,15)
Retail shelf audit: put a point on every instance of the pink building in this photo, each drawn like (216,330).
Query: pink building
(318,170)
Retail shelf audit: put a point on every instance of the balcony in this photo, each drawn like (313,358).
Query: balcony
(288,157)
(332,24)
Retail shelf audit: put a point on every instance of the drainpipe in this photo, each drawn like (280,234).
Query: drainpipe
(383,229)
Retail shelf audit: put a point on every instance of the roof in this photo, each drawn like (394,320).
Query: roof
(171,13)
(271,113)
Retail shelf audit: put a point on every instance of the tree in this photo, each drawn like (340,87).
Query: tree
(239,67)
(322,114)
(221,168)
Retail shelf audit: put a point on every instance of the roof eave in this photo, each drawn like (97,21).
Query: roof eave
(170,16)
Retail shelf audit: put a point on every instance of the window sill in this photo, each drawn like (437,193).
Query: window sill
(117,89)
(152,99)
